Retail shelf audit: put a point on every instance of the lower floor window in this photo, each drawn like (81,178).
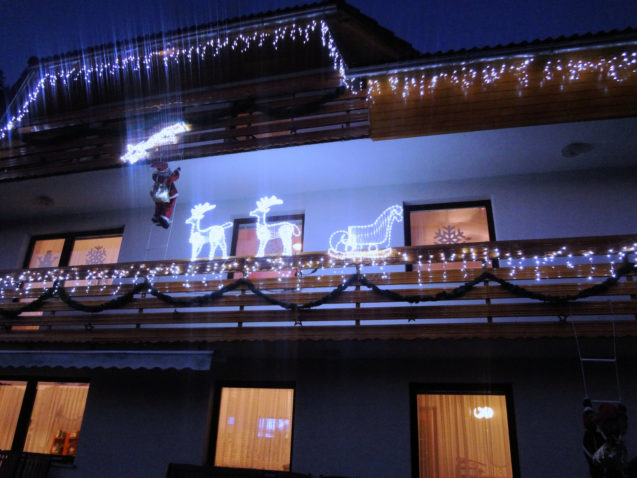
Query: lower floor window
(42,416)
(254,428)
(463,435)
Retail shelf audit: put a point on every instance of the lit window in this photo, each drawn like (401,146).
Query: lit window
(74,249)
(70,250)
(463,435)
(246,243)
(11,395)
(55,411)
(452,223)
(255,428)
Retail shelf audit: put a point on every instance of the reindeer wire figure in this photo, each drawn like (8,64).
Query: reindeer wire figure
(372,240)
(213,235)
(267,232)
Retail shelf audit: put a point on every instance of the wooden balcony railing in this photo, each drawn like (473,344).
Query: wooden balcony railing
(501,289)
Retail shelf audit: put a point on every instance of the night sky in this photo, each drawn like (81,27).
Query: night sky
(43,28)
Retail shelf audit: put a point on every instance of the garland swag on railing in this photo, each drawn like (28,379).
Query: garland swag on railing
(201,300)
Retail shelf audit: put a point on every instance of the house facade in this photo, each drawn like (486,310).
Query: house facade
(499,182)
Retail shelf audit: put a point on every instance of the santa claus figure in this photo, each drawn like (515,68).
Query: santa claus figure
(164,193)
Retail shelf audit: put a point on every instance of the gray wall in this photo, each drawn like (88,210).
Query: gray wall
(352,413)
(352,401)
(584,203)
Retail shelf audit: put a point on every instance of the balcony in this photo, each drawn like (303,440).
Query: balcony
(504,289)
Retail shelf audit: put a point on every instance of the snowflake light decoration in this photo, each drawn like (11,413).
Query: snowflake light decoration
(449,235)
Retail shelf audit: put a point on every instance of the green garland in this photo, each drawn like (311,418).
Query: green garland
(59,291)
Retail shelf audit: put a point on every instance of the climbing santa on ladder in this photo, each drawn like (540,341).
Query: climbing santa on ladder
(164,193)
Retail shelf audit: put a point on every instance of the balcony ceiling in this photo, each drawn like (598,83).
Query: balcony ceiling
(336,165)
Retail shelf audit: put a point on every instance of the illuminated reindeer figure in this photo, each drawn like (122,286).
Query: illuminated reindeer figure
(266,232)
(214,235)
(371,241)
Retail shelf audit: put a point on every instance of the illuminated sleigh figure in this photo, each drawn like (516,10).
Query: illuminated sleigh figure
(213,235)
(267,232)
(366,241)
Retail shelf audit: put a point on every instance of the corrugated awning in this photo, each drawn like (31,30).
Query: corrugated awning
(118,359)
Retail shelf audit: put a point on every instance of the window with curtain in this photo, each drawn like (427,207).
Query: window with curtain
(463,435)
(450,223)
(246,243)
(254,428)
(54,409)
(11,396)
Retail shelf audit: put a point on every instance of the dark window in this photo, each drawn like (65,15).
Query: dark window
(254,427)
(463,431)
(41,416)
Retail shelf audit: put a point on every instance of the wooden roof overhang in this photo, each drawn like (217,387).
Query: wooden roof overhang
(486,311)
(555,81)
(266,81)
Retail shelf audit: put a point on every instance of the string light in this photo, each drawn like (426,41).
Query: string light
(132,60)
(215,235)
(423,82)
(373,240)
(165,136)
(267,231)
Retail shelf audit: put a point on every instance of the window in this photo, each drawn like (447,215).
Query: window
(246,243)
(254,428)
(451,223)
(75,249)
(42,416)
(101,247)
(463,433)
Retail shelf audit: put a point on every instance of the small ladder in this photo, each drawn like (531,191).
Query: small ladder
(609,360)
(159,234)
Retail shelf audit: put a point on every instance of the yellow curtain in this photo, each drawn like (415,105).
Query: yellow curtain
(463,436)
(58,409)
(255,428)
(11,395)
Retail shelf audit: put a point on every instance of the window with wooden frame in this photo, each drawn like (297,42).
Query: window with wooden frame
(246,243)
(74,249)
(448,223)
(254,427)
(71,249)
(42,416)
(463,431)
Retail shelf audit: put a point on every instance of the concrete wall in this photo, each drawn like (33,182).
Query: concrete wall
(584,203)
(352,405)
(352,414)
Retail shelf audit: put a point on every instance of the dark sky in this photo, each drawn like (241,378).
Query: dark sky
(43,28)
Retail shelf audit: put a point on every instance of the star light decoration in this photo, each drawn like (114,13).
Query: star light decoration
(411,81)
(165,136)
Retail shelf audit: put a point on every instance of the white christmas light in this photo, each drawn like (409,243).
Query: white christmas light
(215,235)
(373,240)
(129,60)
(167,135)
(483,412)
(267,232)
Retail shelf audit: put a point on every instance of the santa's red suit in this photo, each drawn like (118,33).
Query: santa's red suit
(164,193)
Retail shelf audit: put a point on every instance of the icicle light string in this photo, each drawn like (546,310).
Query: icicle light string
(137,58)
(457,293)
(617,68)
